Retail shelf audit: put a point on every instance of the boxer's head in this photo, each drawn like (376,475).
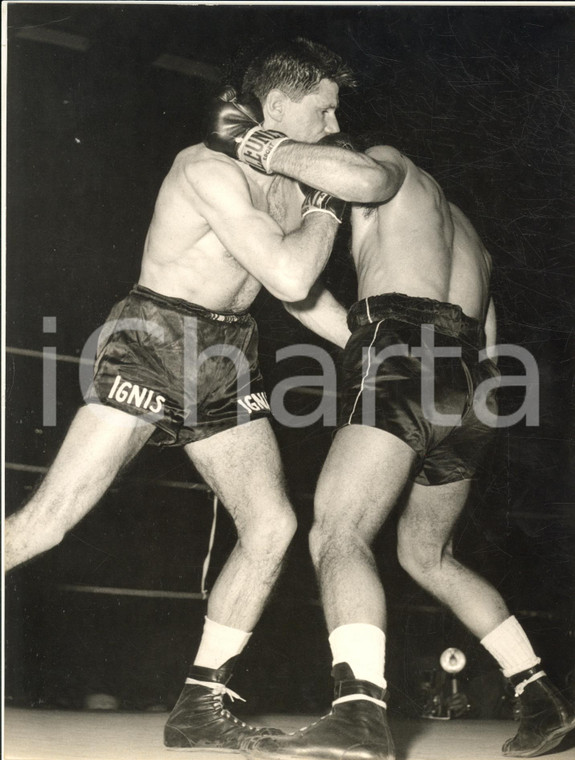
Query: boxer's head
(297,84)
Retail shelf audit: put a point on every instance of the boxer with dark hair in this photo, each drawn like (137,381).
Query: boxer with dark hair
(296,67)
(423,315)
(178,356)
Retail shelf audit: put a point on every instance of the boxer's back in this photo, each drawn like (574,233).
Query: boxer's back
(419,244)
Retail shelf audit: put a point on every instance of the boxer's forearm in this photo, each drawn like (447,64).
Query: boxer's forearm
(349,175)
(322,314)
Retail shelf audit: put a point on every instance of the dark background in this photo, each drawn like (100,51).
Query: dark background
(478,96)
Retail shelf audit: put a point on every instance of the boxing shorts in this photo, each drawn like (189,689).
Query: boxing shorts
(190,371)
(385,390)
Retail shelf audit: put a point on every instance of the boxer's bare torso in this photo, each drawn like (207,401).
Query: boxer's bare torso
(183,255)
(419,244)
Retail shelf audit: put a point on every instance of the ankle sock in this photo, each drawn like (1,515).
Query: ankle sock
(362,646)
(510,646)
(219,644)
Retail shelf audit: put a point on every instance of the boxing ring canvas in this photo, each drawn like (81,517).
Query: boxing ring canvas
(102,736)
(99,98)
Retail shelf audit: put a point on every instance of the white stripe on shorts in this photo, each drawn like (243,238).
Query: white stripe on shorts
(365,374)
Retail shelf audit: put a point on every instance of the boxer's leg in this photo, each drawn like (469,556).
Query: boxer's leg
(243,467)
(99,442)
(425,551)
(364,474)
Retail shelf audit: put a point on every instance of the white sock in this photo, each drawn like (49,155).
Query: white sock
(219,643)
(510,646)
(362,646)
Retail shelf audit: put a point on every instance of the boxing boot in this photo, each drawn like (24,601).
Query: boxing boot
(545,716)
(354,729)
(199,719)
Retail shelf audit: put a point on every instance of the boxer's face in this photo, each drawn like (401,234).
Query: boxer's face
(312,117)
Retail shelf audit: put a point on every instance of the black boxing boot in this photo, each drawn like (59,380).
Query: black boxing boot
(546,717)
(199,719)
(354,729)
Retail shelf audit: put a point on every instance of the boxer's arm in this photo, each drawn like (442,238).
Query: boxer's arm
(345,174)
(232,129)
(491,328)
(321,313)
(286,264)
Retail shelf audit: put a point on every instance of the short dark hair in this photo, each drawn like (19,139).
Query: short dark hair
(296,68)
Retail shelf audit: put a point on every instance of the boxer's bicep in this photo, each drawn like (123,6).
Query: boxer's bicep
(248,234)
(287,264)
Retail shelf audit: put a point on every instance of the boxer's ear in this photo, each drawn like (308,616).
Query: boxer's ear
(274,105)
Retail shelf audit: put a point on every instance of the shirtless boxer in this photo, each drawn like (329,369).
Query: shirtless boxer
(210,247)
(419,263)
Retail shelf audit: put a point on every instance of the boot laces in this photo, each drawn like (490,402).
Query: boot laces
(219,689)
(218,699)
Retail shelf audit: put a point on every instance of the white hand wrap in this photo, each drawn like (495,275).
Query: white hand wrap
(258,146)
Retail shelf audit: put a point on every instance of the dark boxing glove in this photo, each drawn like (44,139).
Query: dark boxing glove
(317,200)
(233,129)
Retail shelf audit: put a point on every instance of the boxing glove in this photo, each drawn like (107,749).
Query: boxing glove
(317,200)
(233,129)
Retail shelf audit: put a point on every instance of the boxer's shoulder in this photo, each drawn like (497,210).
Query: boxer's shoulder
(204,168)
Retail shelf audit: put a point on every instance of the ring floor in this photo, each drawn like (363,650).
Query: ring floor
(102,735)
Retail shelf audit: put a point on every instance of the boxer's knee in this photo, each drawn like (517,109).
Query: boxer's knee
(421,559)
(29,532)
(268,533)
(330,537)
(52,536)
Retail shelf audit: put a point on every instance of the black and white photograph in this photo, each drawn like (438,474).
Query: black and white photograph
(288,369)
